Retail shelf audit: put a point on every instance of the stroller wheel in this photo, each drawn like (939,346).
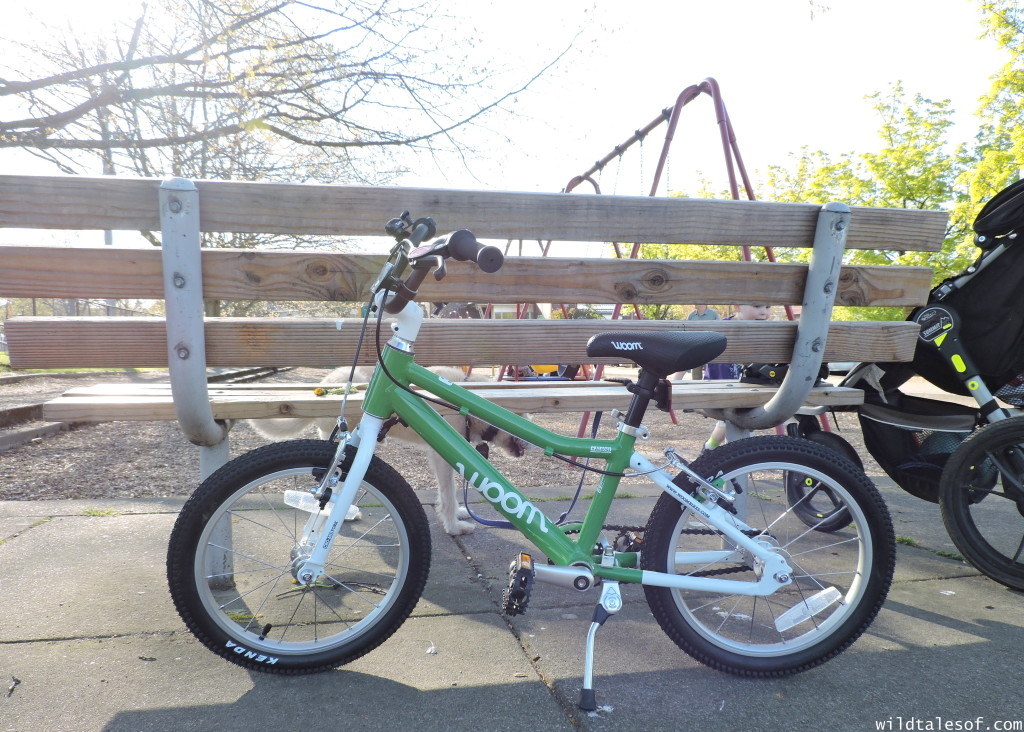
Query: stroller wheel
(982,500)
(814,504)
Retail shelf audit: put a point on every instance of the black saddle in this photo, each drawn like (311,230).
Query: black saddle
(661,353)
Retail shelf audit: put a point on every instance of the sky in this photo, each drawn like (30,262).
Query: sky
(789,78)
(792,74)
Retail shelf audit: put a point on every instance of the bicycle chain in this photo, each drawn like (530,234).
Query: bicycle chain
(622,529)
(752,533)
(723,570)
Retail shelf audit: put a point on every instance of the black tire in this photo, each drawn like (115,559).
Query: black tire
(813,502)
(981,497)
(845,575)
(249,609)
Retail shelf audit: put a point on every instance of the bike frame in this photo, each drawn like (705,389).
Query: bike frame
(385,398)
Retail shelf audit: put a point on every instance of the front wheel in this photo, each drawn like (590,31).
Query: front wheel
(238,541)
(839,579)
(981,495)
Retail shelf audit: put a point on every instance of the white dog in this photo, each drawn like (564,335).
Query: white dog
(452,514)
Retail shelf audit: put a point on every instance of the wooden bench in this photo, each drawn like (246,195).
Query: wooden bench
(183,275)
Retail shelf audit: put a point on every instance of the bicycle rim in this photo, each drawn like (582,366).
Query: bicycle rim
(246,585)
(821,562)
(840,575)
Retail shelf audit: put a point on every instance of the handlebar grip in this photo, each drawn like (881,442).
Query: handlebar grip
(463,247)
(422,229)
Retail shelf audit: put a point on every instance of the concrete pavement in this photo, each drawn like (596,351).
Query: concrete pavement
(88,631)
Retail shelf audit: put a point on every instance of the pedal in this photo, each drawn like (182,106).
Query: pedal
(521,576)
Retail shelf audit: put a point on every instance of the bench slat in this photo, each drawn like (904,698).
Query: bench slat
(104,403)
(141,342)
(94,272)
(80,203)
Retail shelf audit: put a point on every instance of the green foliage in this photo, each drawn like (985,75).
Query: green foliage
(916,167)
(577,312)
(665,312)
(999,144)
(913,169)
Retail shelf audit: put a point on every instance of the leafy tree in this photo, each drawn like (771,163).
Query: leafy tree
(913,169)
(999,144)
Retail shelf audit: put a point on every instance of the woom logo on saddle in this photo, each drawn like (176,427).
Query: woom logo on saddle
(628,345)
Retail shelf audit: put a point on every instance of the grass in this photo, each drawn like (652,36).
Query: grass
(907,541)
(241,615)
(100,512)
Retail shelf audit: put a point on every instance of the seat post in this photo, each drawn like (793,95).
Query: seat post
(643,392)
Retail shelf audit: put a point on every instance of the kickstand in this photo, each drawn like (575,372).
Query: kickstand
(609,604)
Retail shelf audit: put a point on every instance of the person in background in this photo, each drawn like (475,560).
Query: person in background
(702,312)
(732,370)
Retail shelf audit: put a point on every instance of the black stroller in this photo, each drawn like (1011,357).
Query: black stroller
(968,459)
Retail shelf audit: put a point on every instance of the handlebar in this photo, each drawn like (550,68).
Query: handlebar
(463,247)
(460,245)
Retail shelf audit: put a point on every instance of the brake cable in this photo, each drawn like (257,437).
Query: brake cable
(440,402)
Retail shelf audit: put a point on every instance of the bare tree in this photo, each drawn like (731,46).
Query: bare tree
(321,90)
(248,89)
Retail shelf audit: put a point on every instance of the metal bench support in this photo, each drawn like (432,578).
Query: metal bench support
(186,345)
(812,329)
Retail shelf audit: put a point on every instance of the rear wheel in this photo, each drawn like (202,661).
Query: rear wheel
(981,496)
(839,580)
(238,542)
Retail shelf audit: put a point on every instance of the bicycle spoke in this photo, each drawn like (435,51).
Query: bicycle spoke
(821,605)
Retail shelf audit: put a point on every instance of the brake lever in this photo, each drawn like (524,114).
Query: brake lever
(440,271)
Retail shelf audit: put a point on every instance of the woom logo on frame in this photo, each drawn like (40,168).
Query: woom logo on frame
(511,502)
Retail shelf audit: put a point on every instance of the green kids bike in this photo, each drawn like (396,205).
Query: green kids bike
(304,555)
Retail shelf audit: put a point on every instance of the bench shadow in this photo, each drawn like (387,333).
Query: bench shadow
(354,700)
